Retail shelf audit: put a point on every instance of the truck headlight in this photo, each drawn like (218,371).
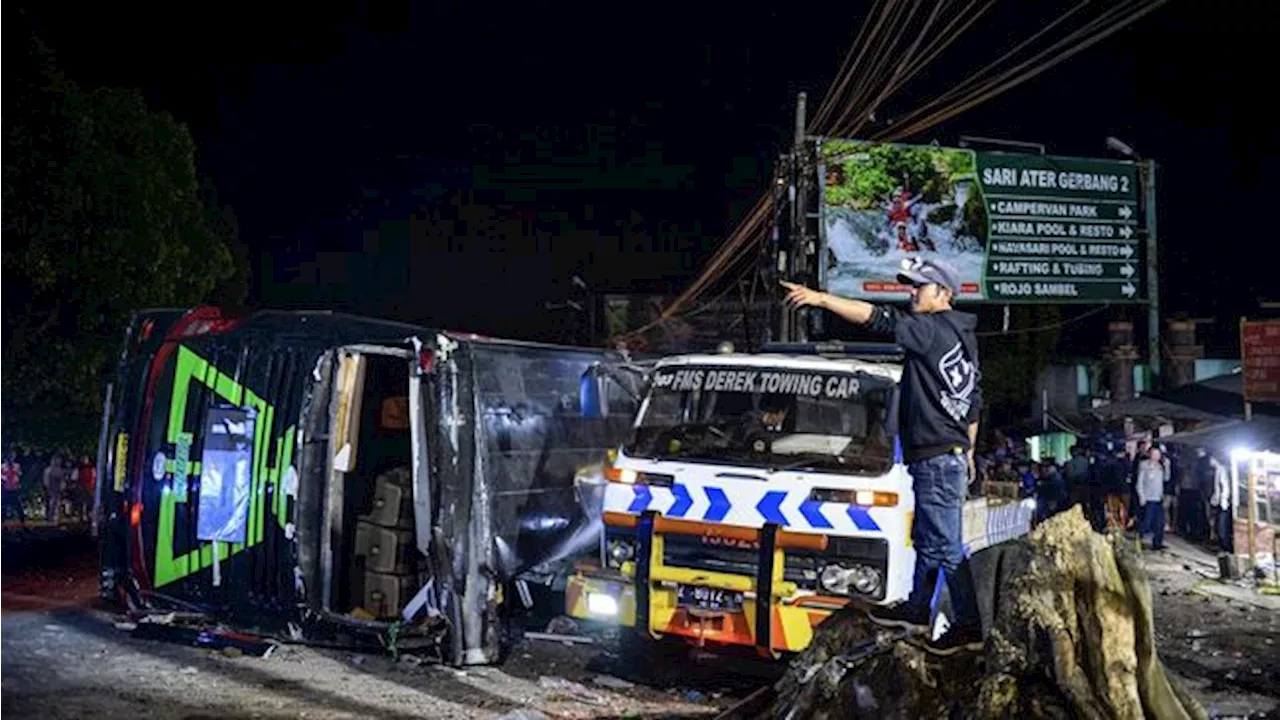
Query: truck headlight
(601,604)
(620,551)
(842,580)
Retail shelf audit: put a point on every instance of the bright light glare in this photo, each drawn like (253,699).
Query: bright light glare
(864,497)
(601,604)
(1240,453)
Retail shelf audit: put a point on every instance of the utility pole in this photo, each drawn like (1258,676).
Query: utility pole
(799,211)
(789,263)
(1147,173)
(1153,273)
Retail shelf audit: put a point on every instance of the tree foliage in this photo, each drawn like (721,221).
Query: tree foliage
(103,215)
(867,174)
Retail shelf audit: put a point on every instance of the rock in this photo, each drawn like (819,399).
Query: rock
(232,652)
(1069,635)
(562,625)
(524,714)
(611,682)
(569,690)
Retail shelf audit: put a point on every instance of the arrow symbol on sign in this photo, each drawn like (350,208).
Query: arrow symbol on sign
(683,502)
(1127,271)
(770,507)
(1125,212)
(719,505)
(1125,232)
(643,496)
(812,511)
(1128,289)
(1127,251)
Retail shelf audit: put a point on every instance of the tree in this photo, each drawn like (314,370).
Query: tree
(102,216)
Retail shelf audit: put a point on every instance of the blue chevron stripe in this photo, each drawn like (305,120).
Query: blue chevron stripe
(862,519)
(719,507)
(644,496)
(812,511)
(770,507)
(683,501)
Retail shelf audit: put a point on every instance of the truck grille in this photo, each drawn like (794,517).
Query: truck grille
(696,553)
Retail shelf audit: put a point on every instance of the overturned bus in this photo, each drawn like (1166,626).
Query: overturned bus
(337,479)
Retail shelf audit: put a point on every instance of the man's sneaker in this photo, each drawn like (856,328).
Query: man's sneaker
(954,640)
(899,615)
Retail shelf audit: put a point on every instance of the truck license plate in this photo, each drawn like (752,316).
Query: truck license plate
(705,598)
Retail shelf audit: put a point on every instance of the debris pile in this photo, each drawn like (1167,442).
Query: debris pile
(1070,635)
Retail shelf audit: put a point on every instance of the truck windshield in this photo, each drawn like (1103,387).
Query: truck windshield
(775,418)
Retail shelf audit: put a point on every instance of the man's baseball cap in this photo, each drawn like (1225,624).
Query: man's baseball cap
(918,271)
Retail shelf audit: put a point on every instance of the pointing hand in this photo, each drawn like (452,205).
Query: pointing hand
(800,296)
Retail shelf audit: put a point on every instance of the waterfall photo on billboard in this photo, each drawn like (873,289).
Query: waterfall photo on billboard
(883,203)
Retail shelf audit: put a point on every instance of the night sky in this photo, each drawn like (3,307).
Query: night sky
(317,125)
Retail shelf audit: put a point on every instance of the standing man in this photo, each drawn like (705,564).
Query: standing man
(940,404)
(1078,470)
(1152,475)
(1221,502)
(55,477)
(13,487)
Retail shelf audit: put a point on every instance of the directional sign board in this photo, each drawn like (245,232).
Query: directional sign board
(1017,228)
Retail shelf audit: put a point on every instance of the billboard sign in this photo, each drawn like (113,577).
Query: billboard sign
(1018,228)
(1260,360)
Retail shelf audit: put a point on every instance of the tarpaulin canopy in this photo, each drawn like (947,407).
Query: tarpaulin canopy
(1155,408)
(1260,433)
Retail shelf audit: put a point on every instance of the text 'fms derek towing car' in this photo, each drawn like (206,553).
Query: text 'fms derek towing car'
(757,494)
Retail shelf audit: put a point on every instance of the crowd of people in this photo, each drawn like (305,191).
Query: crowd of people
(1144,488)
(54,487)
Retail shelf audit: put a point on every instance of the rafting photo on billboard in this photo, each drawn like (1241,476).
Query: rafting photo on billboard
(883,203)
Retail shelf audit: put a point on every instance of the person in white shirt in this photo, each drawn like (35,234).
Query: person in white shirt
(55,478)
(1152,475)
(1220,503)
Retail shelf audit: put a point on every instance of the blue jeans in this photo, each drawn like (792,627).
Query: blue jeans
(1226,531)
(940,483)
(1153,523)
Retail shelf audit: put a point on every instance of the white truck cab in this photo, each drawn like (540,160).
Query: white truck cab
(757,494)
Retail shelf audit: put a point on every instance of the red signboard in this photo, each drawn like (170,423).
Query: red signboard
(1260,357)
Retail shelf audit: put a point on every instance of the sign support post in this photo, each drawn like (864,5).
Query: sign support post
(1251,497)
(798,247)
(1153,274)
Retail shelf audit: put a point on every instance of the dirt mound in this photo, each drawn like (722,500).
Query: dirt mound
(1070,635)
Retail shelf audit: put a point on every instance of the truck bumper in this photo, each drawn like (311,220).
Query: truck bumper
(774,618)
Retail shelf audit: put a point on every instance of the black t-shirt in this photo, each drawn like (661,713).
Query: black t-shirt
(940,392)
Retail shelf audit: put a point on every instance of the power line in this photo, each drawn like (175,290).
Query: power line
(1097,30)
(865,80)
(1046,328)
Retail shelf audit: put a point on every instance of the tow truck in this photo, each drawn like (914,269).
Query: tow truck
(757,494)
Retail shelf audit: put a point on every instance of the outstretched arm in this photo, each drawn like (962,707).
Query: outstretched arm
(855,311)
